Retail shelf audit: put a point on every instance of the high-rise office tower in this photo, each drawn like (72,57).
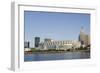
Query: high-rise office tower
(37,41)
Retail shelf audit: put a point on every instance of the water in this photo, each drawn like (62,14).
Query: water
(57,56)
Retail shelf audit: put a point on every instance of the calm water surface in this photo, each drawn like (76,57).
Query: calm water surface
(57,56)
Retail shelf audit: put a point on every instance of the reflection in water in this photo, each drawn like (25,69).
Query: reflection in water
(57,56)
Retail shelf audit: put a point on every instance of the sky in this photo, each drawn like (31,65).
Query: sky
(54,25)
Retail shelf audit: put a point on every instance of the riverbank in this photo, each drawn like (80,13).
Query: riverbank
(48,52)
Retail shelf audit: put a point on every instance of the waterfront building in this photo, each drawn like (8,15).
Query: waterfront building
(83,40)
(59,45)
(37,41)
(26,44)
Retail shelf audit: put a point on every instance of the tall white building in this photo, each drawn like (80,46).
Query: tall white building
(84,38)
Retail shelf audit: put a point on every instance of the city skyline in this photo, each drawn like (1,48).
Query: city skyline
(54,25)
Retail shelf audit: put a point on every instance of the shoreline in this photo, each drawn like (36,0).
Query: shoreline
(52,52)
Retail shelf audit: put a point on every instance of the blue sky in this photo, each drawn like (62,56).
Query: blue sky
(54,25)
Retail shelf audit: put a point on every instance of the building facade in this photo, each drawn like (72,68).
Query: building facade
(59,45)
